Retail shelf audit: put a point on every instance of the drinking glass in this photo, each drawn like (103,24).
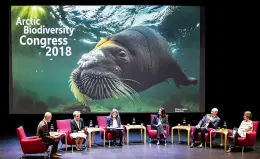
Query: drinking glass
(96,126)
(179,124)
(188,125)
(142,124)
(128,124)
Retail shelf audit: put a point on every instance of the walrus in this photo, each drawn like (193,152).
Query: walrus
(124,64)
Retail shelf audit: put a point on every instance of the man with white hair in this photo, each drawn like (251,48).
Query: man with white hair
(208,121)
(43,133)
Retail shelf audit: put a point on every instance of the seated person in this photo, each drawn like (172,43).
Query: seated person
(43,133)
(77,124)
(208,121)
(245,127)
(114,121)
(159,123)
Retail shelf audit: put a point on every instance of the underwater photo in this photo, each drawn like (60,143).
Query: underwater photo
(96,58)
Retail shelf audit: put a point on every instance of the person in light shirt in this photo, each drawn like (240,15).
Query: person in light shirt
(113,122)
(246,126)
(77,130)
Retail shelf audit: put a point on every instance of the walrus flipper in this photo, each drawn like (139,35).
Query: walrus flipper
(186,82)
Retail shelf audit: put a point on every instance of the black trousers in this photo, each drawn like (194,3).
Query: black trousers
(160,130)
(203,131)
(234,136)
(54,143)
(115,132)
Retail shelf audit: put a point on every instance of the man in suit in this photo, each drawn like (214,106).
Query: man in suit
(43,133)
(208,121)
(114,121)
(76,125)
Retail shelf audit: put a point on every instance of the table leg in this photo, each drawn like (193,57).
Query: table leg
(221,139)
(127,136)
(225,142)
(210,140)
(141,131)
(89,139)
(188,136)
(104,138)
(66,142)
(92,137)
(179,135)
(172,136)
(144,136)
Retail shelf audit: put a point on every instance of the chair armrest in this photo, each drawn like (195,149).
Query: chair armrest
(251,137)
(192,128)
(33,137)
(35,141)
(230,131)
(149,127)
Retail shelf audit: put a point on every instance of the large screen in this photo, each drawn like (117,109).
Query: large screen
(96,58)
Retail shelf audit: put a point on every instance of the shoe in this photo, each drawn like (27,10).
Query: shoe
(201,145)
(58,154)
(192,145)
(78,149)
(54,156)
(120,144)
(158,142)
(229,150)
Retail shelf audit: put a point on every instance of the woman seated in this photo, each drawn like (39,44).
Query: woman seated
(77,130)
(159,123)
(113,122)
(245,127)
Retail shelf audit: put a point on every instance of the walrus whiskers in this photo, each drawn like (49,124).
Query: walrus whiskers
(106,93)
(122,89)
(110,89)
(129,89)
(115,89)
(125,79)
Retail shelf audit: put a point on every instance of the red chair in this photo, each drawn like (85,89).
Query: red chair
(64,126)
(152,134)
(207,135)
(31,145)
(101,120)
(250,138)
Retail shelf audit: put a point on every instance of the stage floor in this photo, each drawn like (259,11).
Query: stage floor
(10,149)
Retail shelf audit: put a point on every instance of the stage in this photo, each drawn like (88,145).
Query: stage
(10,149)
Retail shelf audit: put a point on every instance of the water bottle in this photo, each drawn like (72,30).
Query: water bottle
(90,124)
(52,128)
(133,121)
(225,125)
(184,121)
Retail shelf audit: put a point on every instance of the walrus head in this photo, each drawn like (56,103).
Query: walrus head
(99,74)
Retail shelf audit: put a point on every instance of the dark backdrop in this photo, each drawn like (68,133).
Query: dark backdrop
(231,82)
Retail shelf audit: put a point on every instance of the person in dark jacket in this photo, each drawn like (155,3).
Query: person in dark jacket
(77,130)
(208,121)
(44,134)
(113,122)
(159,123)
